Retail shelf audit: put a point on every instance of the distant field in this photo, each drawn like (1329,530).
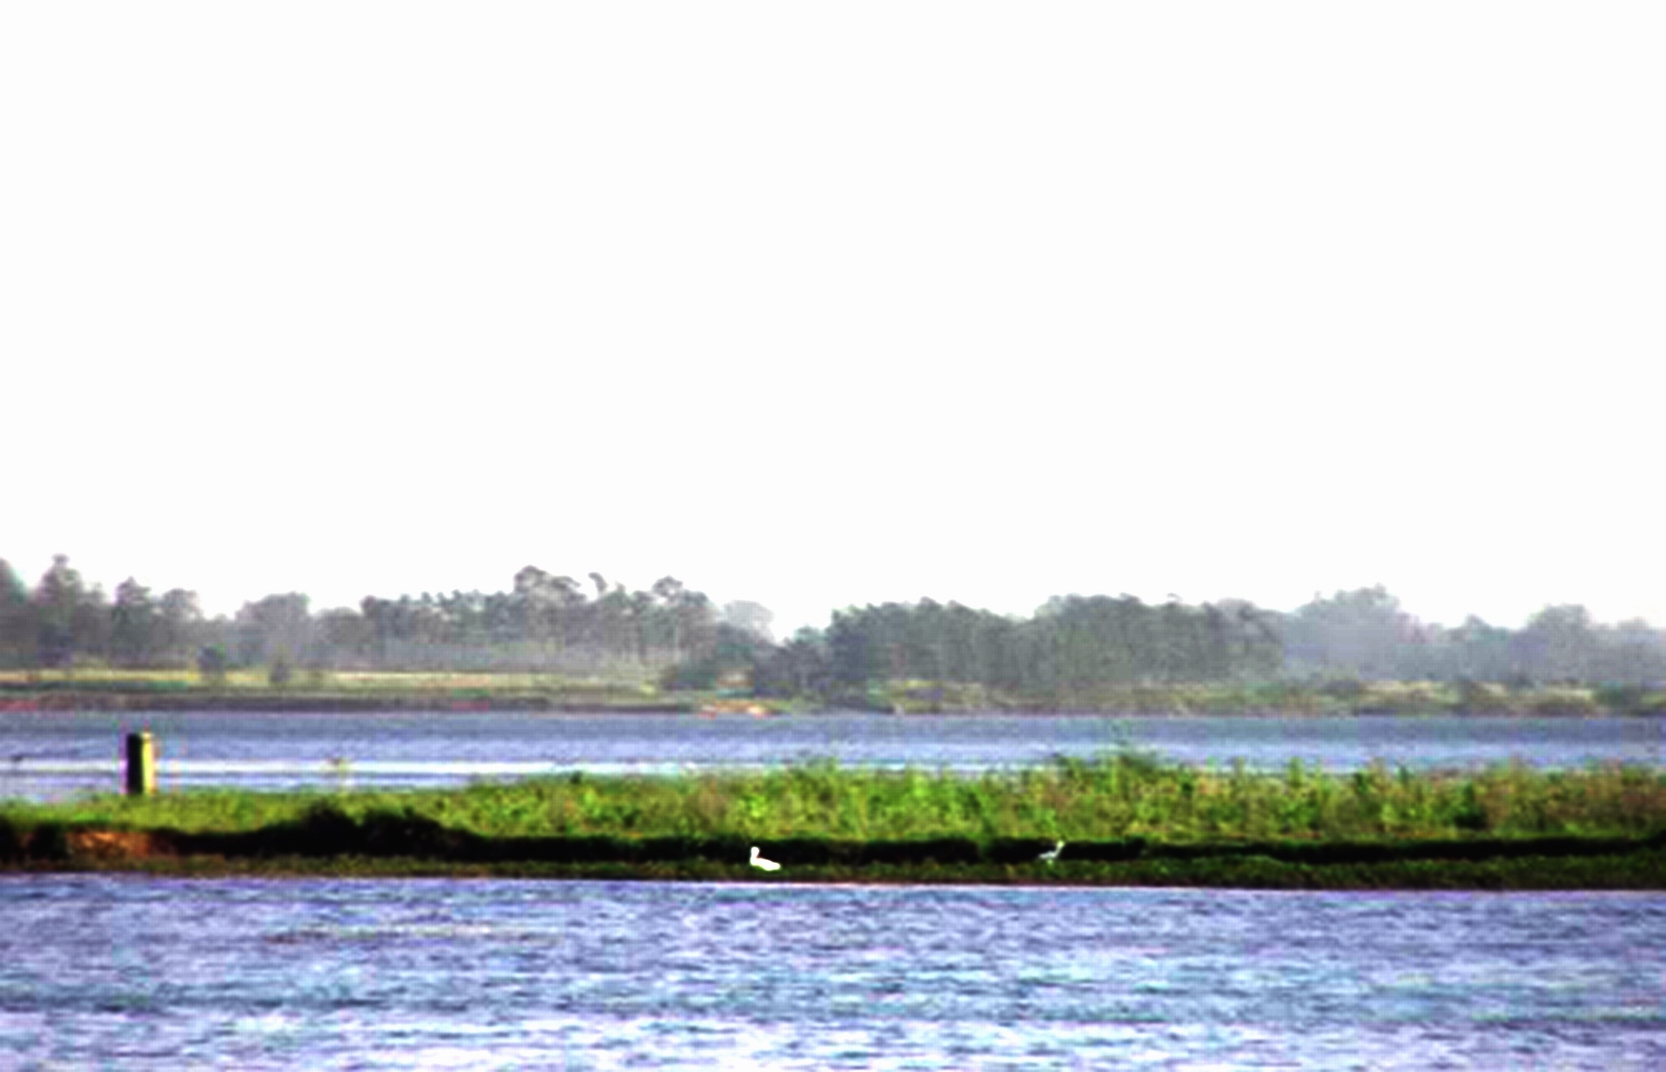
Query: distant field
(313,690)
(344,679)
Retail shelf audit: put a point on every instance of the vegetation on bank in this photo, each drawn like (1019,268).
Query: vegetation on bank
(1287,698)
(1124,818)
(253,690)
(1125,795)
(1094,652)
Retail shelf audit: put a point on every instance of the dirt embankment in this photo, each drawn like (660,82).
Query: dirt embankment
(115,845)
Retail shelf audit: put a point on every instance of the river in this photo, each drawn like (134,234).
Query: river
(145,973)
(138,972)
(45,755)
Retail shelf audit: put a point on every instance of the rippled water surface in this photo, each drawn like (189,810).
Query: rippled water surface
(45,754)
(132,972)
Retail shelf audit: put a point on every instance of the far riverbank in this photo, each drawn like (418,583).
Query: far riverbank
(439,693)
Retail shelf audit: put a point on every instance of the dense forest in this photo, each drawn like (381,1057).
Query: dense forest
(1072,645)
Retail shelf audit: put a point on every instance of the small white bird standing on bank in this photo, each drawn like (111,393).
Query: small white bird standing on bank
(1051,854)
(762,864)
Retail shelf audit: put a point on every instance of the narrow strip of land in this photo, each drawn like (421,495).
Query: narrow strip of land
(1123,820)
(322,691)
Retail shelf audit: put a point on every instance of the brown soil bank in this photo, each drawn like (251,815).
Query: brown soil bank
(327,842)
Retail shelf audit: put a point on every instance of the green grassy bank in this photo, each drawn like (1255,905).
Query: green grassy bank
(1125,820)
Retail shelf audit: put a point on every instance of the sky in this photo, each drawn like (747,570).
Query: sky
(827,305)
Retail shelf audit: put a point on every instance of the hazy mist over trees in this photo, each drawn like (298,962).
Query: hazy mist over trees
(557,623)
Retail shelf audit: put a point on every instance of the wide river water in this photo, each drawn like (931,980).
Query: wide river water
(54,754)
(136,972)
(128,972)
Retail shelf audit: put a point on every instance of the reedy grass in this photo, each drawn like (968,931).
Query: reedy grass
(1117,796)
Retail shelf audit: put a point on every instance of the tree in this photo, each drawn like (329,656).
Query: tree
(547,606)
(134,621)
(179,620)
(17,627)
(280,673)
(1363,633)
(213,663)
(1559,643)
(1631,653)
(800,667)
(1476,651)
(695,623)
(58,602)
(349,638)
(278,626)
(734,653)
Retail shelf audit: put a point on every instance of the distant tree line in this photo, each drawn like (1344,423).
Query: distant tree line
(544,623)
(63,620)
(1075,645)
(1365,633)
(1071,645)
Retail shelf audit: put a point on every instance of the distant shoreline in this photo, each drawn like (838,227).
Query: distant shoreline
(909,699)
(301,701)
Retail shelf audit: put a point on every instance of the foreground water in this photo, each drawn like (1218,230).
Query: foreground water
(47,754)
(141,973)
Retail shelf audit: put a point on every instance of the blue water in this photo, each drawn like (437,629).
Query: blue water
(48,754)
(143,973)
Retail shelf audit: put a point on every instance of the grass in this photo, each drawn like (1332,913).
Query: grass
(98,678)
(93,688)
(1119,796)
(1126,819)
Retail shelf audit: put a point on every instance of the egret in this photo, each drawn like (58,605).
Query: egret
(762,864)
(1052,854)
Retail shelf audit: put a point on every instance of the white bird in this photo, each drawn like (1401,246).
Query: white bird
(1051,854)
(762,864)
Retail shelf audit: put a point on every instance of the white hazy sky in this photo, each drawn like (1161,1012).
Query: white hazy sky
(835,304)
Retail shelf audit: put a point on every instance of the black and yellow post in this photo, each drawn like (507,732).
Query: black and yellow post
(141,765)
